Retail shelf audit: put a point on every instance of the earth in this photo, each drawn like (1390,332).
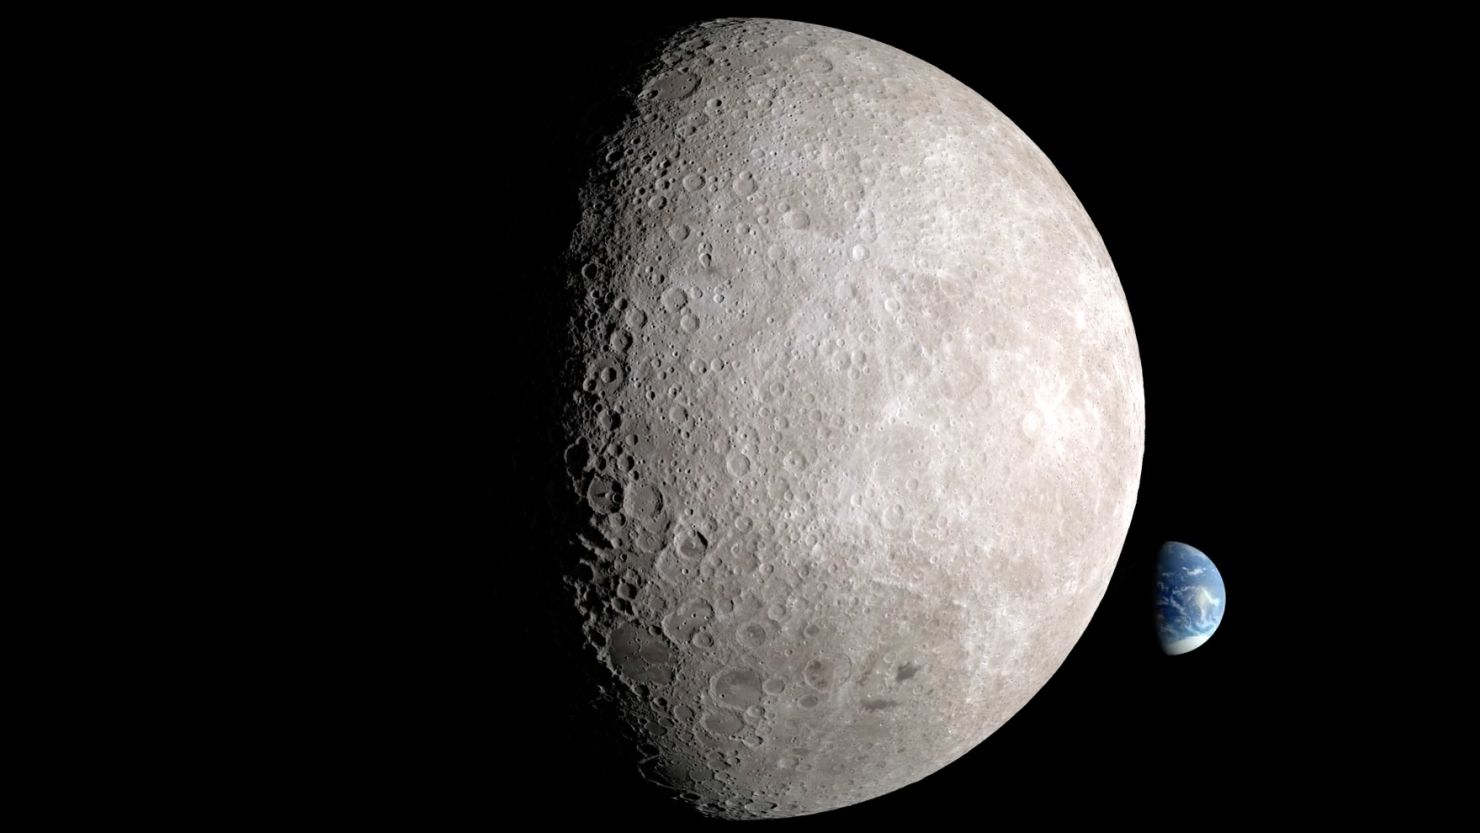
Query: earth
(1189,598)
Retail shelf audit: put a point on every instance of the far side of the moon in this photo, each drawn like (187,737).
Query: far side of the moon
(856,417)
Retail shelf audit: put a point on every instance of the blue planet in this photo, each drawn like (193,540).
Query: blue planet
(1189,598)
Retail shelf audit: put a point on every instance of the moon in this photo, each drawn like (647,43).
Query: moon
(853,422)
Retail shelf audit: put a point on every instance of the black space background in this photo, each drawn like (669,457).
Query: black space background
(1204,163)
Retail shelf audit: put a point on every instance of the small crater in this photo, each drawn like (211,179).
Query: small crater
(761,806)
(608,373)
(827,671)
(673,86)
(812,62)
(753,634)
(674,299)
(690,543)
(744,184)
(644,501)
(578,458)
(604,495)
(687,620)
(638,655)
(737,688)
(905,672)
(737,464)
(723,723)
(742,557)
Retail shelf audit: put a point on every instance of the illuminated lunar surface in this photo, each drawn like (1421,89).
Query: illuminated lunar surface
(855,418)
